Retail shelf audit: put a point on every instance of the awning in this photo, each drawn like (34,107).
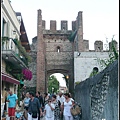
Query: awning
(9,79)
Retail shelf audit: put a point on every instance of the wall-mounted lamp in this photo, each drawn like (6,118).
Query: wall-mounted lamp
(78,53)
(14,32)
(6,57)
(67,76)
(21,56)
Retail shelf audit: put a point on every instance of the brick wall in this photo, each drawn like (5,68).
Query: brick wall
(40,85)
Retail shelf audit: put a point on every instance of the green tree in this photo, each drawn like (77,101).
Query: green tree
(53,84)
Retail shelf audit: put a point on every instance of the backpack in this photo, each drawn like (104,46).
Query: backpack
(76,110)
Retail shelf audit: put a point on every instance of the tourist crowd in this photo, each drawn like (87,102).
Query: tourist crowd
(37,106)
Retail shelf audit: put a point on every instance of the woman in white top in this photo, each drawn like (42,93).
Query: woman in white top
(67,104)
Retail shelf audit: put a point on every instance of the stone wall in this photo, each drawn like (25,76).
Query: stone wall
(98,95)
(59,55)
(32,64)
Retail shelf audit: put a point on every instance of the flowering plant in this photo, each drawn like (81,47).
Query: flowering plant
(27,74)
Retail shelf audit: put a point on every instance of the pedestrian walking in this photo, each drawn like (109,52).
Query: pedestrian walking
(33,108)
(60,100)
(71,97)
(66,107)
(57,108)
(40,101)
(46,97)
(13,100)
(25,104)
(76,111)
(49,110)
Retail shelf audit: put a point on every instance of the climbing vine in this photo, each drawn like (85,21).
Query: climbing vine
(22,49)
(76,83)
(113,55)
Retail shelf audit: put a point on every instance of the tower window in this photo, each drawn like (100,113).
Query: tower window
(58,49)
(63,28)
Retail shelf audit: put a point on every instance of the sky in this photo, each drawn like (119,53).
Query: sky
(59,77)
(100,17)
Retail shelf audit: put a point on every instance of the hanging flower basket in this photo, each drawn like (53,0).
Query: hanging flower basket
(27,74)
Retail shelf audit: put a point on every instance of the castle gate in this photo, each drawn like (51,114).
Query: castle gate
(53,51)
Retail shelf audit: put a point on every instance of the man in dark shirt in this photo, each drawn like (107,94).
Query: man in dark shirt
(40,100)
(34,108)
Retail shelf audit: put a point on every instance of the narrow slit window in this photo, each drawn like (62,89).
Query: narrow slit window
(58,49)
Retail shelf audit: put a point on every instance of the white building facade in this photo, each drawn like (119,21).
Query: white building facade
(84,63)
(10,34)
(10,25)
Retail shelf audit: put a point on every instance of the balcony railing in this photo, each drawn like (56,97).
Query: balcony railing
(11,53)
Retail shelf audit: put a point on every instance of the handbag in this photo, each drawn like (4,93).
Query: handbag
(75,110)
(34,115)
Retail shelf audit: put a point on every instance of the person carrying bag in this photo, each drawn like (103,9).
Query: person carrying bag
(76,111)
(33,108)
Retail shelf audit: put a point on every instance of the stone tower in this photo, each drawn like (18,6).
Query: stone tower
(40,83)
(54,53)
(77,25)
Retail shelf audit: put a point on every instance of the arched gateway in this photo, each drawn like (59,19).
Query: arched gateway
(52,51)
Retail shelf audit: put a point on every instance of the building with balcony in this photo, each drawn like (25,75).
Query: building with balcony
(15,48)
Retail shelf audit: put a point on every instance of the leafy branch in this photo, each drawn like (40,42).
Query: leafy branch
(22,49)
(76,83)
(113,55)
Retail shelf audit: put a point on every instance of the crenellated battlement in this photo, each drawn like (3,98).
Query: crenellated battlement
(98,45)
(63,24)
(76,24)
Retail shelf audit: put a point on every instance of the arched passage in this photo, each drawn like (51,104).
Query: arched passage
(60,71)
(56,83)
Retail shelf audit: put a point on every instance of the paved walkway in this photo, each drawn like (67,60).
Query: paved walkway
(42,118)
